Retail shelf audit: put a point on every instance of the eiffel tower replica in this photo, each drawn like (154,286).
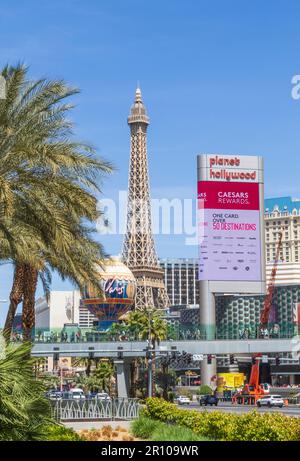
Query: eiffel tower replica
(138,249)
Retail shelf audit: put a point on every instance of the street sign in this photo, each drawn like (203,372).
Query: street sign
(197,357)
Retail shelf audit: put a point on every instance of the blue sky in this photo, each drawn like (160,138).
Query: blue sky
(215,76)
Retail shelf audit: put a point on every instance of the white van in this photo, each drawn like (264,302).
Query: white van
(76,394)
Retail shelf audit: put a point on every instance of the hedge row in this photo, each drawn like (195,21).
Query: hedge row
(252,426)
(61,433)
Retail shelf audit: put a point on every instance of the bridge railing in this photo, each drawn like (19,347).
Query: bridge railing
(182,332)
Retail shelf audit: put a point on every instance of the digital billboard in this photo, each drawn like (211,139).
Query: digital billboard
(230,245)
(230,219)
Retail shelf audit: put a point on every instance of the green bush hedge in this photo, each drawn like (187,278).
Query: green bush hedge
(216,425)
(143,427)
(154,430)
(204,390)
(62,433)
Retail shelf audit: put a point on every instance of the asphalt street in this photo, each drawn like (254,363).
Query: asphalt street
(227,407)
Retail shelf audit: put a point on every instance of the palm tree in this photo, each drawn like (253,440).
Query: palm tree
(24,411)
(82,381)
(86,362)
(101,377)
(50,381)
(149,325)
(39,363)
(47,186)
(117,331)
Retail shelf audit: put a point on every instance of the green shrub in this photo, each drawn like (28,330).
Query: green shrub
(143,428)
(62,433)
(171,433)
(204,390)
(171,396)
(185,392)
(151,429)
(227,426)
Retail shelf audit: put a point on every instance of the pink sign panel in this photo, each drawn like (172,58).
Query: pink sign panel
(228,195)
(229,231)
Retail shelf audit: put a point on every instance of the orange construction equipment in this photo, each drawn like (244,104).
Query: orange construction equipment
(253,390)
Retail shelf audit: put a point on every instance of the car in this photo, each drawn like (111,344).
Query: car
(182,400)
(270,401)
(55,396)
(76,393)
(208,400)
(102,396)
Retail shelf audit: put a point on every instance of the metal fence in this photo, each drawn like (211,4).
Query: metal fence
(93,409)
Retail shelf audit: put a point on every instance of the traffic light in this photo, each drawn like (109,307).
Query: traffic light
(277,361)
(253,360)
(231,359)
(209,357)
(91,355)
(148,354)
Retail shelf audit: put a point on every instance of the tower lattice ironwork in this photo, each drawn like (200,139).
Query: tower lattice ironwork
(139,249)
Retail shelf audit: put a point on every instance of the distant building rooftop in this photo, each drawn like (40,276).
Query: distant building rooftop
(281,204)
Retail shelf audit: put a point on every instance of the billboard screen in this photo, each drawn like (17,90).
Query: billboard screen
(229,221)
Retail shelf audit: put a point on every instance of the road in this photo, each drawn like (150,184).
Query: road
(227,407)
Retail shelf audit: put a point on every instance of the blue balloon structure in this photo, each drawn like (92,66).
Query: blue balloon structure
(119,288)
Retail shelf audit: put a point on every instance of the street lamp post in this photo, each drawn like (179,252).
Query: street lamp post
(61,379)
(150,390)
(149,357)
(149,353)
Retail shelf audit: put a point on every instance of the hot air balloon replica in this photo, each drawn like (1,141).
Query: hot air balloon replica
(117,298)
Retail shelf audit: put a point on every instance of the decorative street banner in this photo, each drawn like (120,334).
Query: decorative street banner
(229,231)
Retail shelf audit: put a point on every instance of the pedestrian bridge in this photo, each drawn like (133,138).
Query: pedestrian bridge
(123,349)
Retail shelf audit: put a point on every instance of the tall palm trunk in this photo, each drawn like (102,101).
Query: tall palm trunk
(88,368)
(16,296)
(28,314)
